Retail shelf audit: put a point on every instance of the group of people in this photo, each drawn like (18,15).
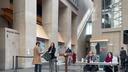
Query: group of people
(110,58)
(37,54)
(71,56)
(37,57)
(91,57)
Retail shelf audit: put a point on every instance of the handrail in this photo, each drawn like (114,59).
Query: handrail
(16,62)
(25,56)
(84,22)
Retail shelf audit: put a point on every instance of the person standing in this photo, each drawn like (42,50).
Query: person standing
(126,65)
(52,61)
(123,57)
(73,57)
(37,57)
(69,52)
(108,59)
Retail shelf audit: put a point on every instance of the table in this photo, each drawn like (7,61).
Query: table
(95,63)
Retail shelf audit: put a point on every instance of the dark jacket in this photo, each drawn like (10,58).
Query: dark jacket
(122,54)
(68,51)
(108,59)
(91,68)
(53,50)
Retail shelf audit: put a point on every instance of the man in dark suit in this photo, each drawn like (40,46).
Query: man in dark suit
(122,57)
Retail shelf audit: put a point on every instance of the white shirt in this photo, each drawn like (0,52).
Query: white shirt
(115,59)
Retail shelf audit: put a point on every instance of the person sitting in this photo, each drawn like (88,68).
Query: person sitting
(108,59)
(91,58)
(115,60)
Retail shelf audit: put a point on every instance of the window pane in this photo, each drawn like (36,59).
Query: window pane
(111,13)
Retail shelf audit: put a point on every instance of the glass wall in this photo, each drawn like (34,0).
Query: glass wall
(100,49)
(111,13)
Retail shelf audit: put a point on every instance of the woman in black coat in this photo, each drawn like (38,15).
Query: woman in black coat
(52,51)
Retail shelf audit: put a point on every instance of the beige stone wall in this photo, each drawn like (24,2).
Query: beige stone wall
(65,26)
(74,26)
(114,41)
(115,35)
(96,27)
(50,19)
(125,14)
(124,18)
(25,24)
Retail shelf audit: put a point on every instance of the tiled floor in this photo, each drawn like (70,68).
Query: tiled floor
(45,68)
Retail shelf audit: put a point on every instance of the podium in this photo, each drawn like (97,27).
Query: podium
(65,55)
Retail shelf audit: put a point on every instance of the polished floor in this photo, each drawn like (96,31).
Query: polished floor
(45,68)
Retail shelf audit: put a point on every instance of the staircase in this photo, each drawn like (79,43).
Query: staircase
(84,21)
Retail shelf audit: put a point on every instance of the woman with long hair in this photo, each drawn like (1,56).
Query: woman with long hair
(52,51)
(108,59)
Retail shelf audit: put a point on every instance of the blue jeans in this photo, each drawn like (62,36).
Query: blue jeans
(37,68)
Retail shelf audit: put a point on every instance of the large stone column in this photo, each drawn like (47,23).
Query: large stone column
(65,25)
(25,23)
(96,31)
(68,27)
(74,30)
(54,22)
(50,19)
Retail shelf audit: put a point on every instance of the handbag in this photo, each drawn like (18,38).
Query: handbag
(47,56)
